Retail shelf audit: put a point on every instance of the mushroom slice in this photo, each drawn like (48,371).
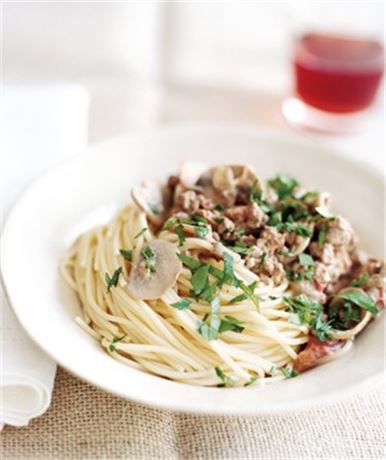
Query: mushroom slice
(352,332)
(190,173)
(223,183)
(155,271)
(148,197)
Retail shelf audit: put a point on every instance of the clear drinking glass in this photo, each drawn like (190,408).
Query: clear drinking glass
(337,63)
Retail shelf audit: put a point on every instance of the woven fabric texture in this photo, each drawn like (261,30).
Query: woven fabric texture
(86,423)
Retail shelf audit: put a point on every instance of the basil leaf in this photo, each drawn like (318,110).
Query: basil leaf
(229,323)
(181,304)
(114,341)
(189,262)
(305,260)
(113,280)
(199,280)
(360,299)
(288,373)
(227,381)
(140,233)
(180,234)
(127,254)
(362,280)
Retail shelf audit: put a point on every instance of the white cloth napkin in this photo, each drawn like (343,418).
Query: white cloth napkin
(40,126)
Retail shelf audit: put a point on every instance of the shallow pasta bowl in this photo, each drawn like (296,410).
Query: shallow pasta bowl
(87,191)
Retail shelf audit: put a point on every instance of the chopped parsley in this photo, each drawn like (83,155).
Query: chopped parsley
(229,323)
(180,234)
(219,207)
(115,341)
(227,381)
(210,331)
(140,233)
(306,260)
(284,185)
(148,256)
(241,297)
(322,235)
(288,373)
(199,279)
(308,312)
(272,371)
(127,254)
(181,304)
(189,262)
(113,279)
(360,299)
(361,281)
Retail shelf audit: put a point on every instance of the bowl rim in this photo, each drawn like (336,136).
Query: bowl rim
(333,153)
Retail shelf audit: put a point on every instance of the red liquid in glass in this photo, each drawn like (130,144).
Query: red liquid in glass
(337,74)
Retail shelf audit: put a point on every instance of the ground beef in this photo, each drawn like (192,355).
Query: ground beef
(265,265)
(339,232)
(191,201)
(270,240)
(248,217)
(323,252)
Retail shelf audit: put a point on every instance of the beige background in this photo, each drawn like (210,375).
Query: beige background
(86,423)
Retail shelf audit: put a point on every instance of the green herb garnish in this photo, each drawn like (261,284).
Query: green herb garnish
(284,185)
(141,233)
(148,256)
(210,331)
(180,234)
(227,381)
(288,373)
(361,281)
(322,235)
(360,299)
(115,341)
(113,280)
(199,279)
(127,254)
(229,323)
(305,260)
(308,312)
(181,304)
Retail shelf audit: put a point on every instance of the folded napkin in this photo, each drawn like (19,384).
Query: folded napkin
(40,127)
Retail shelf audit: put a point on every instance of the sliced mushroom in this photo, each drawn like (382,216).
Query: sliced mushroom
(223,183)
(151,284)
(149,197)
(352,332)
(190,173)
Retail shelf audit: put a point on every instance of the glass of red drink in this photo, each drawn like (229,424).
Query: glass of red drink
(337,71)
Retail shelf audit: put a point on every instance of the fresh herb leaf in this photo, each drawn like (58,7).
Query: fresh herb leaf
(169,223)
(262,260)
(199,279)
(229,323)
(307,274)
(361,281)
(241,297)
(201,232)
(227,381)
(229,276)
(180,234)
(114,341)
(322,235)
(360,299)
(140,233)
(251,381)
(210,331)
(272,371)
(148,256)
(113,280)
(127,254)
(181,304)
(309,312)
(219,207)
(306,260)
(310,196)
(288,373)
(249,291)
(189,262)
(284,185)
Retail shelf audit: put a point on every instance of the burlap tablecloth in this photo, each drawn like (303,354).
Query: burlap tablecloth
(86,423)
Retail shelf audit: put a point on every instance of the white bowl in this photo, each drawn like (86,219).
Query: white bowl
(88,189)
